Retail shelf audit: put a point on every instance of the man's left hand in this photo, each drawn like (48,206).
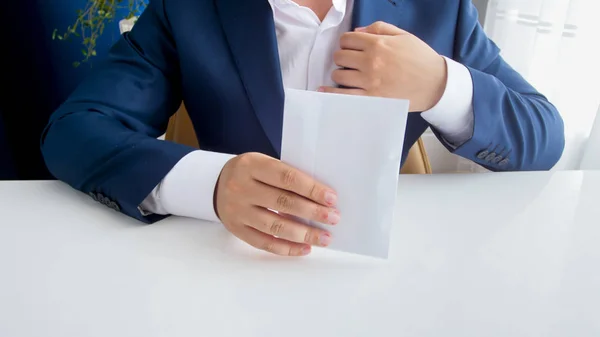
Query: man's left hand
(385,61)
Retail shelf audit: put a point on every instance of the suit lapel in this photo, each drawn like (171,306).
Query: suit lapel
(367,12)
(250,32)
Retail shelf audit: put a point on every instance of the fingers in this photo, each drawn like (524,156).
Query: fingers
(349,78)
(280,175)
(350,59)
(343,91)
(382,28)
(291,203)
(253,184)
(364,37)
(270,243)
(357,41)
(287,228)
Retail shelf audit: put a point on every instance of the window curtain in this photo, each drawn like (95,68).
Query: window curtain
(591,158)
(555,45)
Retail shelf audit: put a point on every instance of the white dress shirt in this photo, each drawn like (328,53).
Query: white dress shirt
(306,47)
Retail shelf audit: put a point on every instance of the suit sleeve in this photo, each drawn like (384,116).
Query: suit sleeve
(102,140)
(515,127)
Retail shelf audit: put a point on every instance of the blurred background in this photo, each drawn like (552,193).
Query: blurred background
(38,75)
(553,43)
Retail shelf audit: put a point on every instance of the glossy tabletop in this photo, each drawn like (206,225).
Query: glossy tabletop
(515,254)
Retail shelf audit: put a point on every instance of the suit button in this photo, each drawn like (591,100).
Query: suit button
(114,206)
(103,200)
(504,162)
(497,159)
(483,154)
(93,196)
(490,157)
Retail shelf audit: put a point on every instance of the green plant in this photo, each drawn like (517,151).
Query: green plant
(93,18)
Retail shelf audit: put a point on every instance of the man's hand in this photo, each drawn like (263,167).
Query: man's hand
(385,61)
(252,184)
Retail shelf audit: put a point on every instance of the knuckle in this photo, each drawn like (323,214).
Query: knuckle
(315,192)
(378,26)
(308,237)
(321,213)
(379,44)
(376,63)
(244,161)
(269,246)
(252,157)
(289,177)
(285,202)
(276,227)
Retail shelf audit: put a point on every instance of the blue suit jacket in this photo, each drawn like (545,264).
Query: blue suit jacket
(7,169)
(220,56)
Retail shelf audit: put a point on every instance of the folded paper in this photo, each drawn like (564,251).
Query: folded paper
(354,145)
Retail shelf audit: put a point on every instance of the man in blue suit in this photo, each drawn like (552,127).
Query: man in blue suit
(230,60)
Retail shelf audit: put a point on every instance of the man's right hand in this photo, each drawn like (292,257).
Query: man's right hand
(252,186)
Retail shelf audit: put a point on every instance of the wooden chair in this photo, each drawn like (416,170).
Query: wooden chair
(180,130)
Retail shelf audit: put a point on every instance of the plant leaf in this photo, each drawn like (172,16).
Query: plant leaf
(92,19)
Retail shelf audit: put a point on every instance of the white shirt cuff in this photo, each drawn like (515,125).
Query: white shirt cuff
(452,116)
(188,189)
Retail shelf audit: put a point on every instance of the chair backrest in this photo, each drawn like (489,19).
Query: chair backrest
(591,154)
(180,130)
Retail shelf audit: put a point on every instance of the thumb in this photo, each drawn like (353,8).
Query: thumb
(382,28)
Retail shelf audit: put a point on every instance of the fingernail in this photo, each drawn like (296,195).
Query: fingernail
(305,250)
(360,29)
(321,89)
(330,198)
(325,239)
(333,217)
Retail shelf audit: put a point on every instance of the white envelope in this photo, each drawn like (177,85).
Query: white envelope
(354,145)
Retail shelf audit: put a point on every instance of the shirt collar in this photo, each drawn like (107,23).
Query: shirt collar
(338,5)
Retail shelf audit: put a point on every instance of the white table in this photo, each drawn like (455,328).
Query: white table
(472,255)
